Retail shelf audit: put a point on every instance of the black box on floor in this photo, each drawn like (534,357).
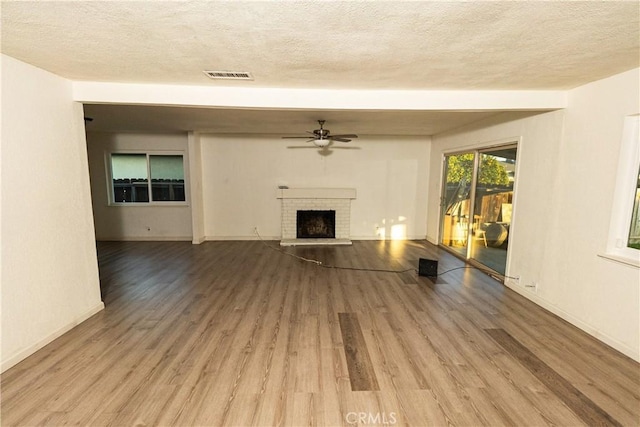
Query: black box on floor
(428,267)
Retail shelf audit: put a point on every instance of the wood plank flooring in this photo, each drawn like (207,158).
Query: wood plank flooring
(361,373)
(572,397)
(238,334)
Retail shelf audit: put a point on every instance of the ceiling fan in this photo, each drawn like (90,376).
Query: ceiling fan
(322,137)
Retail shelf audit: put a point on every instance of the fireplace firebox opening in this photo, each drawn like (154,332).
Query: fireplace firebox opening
(316,224)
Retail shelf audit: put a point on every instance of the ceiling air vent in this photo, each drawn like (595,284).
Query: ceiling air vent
(229,75)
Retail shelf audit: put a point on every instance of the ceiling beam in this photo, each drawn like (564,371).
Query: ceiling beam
(302,99)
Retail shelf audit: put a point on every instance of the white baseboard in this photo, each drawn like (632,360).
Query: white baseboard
(145,239)
(633,353)
(26,352)
(214,238)
(223,238)
(382,238)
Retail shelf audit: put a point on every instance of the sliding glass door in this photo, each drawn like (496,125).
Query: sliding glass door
(456,201)
(492,207)
(477,203)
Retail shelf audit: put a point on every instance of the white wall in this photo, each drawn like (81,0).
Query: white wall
(140,221)
(195,187)
(241,174)
(566,175)
(50,272)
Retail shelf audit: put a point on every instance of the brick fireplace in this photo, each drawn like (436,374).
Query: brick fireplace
(316,199)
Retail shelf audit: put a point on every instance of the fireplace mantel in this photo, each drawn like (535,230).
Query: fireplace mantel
(316,193)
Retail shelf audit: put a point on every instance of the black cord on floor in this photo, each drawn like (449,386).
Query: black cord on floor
(381,270)
(320,264)
(458,268)
(495,276)
(375,270)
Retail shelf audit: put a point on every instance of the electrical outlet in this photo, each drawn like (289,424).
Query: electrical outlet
(532,286)
(514,280)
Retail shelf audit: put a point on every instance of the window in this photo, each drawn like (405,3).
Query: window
(624,235)
(147,178)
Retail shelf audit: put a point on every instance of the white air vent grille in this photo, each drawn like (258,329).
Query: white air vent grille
(229,75)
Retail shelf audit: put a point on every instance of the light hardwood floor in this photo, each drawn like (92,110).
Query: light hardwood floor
(236,333)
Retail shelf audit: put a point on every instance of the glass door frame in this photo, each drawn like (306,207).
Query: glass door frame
(469,224)
(477,152)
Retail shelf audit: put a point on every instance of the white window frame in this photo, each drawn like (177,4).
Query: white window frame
(624,195)
(148,154)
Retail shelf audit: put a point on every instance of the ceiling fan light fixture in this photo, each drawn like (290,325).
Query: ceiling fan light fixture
(321,142)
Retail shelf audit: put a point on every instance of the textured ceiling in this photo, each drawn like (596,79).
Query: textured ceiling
(329,44)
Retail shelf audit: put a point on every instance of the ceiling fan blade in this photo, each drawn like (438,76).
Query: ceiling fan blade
(353,147)
(302,146)
(344,135)
(322,137)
